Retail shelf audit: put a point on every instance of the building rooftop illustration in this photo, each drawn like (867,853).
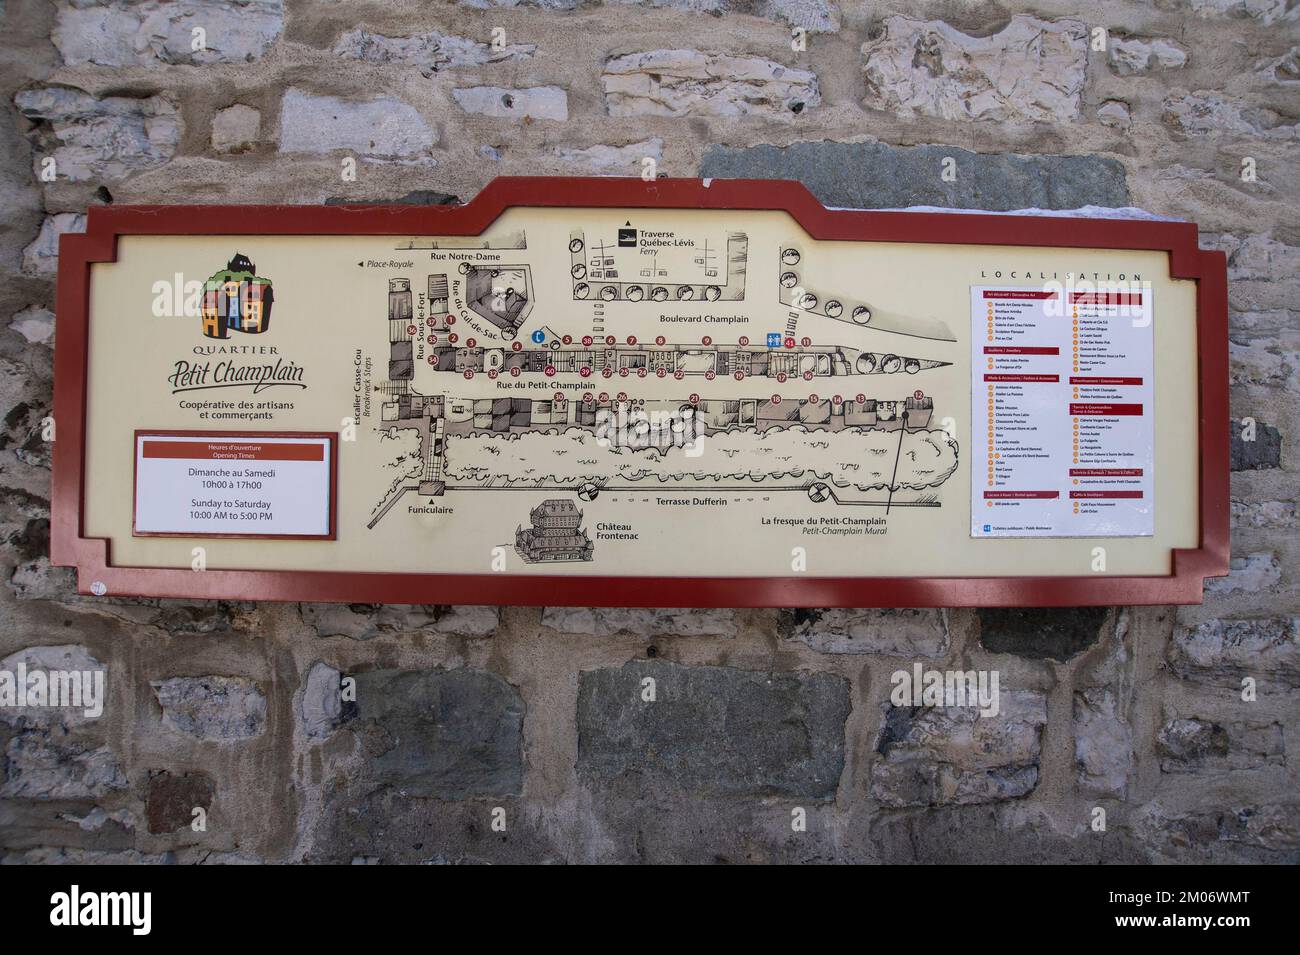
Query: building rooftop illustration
(555,534)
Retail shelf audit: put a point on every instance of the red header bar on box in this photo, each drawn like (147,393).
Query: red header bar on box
(1103,410)
(235,451)
(1021,350)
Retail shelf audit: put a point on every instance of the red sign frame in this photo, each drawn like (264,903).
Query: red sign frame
(93,559)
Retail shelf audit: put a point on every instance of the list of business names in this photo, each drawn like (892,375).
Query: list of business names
(1062,398)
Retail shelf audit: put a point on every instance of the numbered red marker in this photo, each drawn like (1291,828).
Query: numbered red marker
(588,397)
(411,329)
(695,399)
(585,371)
(623,372)
(559,396)
(860,399)
(514,372)
(744,339)
(468,374)
(604,396)
(609,339)
(607,372)
(451,319)
(813,399)
(432,339)
(781,377)
(660,340)
(709,376)
(836,400)
(433,359)
(789,343)
(776,399)
(622,396)
(662,372)
(641,372)
(805,342)
(918,394)
(740,376)
(679,375)
(587,340)
(807,376)
(517,346)
(470,342)
(707,340)
(452,338)
(567,340)
(550,371)
(631,339)
(492,373)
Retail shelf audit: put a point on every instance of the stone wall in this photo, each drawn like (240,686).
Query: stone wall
(479,734)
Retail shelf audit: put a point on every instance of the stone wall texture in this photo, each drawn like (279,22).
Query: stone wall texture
(480,734)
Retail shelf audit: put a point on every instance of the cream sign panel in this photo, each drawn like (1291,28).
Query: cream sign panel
(630,391)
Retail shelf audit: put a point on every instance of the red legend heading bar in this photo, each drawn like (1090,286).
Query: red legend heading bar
(1105,409)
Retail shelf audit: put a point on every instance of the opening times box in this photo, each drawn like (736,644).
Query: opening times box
(220,484)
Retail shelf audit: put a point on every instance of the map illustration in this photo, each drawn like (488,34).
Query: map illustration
(649,372)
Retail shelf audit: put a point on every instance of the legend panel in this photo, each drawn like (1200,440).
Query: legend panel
(1062,399)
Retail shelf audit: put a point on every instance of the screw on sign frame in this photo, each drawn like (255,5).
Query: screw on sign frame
(98,575)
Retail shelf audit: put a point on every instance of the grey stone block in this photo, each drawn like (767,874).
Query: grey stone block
(1262,453)
(878,176)
(1030,71)
(365,621)
(704,83)
(321,705)
(1233,831)
(39,766)
(1222,652)
(644,622)
(1103,742)
(212,707)
(418,197)
(1204,746)
(713,730)
(380,128)
(907,633)
(54,677)
(933,755)
(450,734)
(153,33)
(1038,633)
(92,138)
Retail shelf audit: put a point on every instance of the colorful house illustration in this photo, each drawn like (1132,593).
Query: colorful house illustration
(236,298)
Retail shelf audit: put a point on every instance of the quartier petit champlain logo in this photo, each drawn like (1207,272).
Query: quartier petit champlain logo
(234,299)
(74,908)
